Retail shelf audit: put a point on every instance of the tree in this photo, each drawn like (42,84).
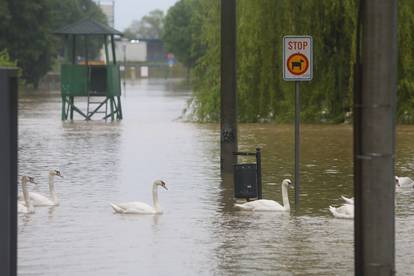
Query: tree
(69,11)
(182,26)
(28,38)
(5,59)
(262,94)
(405,92)
(149,27)
(4,19)
(27,31)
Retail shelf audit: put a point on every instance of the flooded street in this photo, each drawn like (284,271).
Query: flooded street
(199,233)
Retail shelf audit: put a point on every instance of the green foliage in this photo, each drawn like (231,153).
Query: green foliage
(182,29)
(149,27)
(70,11)
(26,37)
(405,99)
(262,93)
(65,12)
(27,26)
(206,101)
(5,60)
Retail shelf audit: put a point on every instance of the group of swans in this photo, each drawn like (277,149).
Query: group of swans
(347,209)
(27,200)
(136,207)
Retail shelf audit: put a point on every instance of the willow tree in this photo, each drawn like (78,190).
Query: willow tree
(405,99)
(262,94)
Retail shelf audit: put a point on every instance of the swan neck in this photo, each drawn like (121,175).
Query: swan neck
(155,198)
(52,191)
(26,196)
(285,197)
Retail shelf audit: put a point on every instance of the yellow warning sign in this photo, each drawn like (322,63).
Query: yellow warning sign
(297,64)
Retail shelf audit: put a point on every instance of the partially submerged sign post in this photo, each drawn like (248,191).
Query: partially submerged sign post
(297,67)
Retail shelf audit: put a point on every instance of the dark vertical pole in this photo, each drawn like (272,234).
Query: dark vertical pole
(72,103)
(124,46)
(228,119)
(8,172)
(63,115)
(375,199)
(86,50)
(113,49)
(358,245)
(111,105)
(119,108)
(106,49)
(297,144)
(66,48)
(73,49)
(259,173)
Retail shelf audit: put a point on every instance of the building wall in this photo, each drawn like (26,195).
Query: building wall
(155,50)
(135,52)
(108,8)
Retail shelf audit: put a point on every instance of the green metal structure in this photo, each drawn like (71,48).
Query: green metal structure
(86,78)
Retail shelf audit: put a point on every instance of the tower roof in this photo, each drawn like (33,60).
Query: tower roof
(87,27)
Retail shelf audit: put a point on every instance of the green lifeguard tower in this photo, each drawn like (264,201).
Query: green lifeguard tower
(83,77)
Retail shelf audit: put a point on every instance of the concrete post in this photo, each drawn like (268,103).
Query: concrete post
(374,215)
(228,119)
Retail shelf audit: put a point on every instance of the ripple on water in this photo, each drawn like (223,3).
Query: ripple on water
(199,232)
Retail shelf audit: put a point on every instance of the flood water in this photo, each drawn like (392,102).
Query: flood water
(199,233)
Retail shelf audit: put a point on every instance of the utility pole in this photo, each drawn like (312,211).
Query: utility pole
(374,140)
(228,86)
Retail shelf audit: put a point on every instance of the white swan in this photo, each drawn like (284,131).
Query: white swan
(348,200)
(41,200)
(266,204)
(26,206)
(399,182)
(136,207)
(404,182)
(346,211)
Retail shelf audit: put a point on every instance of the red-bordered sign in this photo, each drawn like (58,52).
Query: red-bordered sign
(297,64)
(297,58)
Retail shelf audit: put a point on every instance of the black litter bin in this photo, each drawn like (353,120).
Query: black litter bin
(248,177)
(245,180)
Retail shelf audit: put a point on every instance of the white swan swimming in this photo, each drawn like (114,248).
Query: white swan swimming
(345,211)
(399,182)
(404,181)
(266,204)
(26,206)
(136,207)
(41,200)
(348,200)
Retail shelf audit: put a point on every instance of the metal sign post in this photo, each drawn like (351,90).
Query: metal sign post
(297,66)
(297,143)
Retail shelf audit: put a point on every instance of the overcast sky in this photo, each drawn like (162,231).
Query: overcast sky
(128,10)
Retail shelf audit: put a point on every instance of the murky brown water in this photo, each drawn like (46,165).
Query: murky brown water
(199,232)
